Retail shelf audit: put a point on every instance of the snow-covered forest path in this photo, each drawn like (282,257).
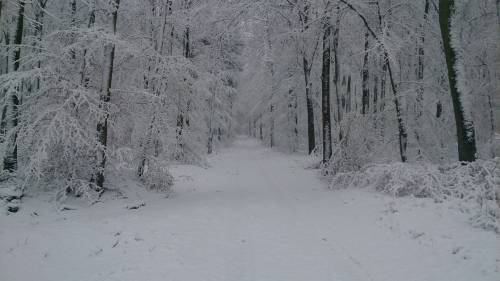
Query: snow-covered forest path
(254,214)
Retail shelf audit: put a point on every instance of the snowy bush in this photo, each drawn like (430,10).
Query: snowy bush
(475,187)
(157,177)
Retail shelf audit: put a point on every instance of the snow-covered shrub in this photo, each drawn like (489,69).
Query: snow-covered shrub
(360,144)
(77,188)
(475,187)
(156,176)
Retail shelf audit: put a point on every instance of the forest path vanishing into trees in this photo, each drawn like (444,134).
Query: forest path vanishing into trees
(254,214)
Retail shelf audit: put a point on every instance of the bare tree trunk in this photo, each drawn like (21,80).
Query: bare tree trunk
(420,75)
(365,102)
(311,137)
(465,128)
(4,69)
(349,95)
(306,65)
(39,30)
(84,79)
(102,125)
(293,119)
(383,86)
(10,157)
(325,92)
(336,74)
(210,125)
(183,115)
(260,131)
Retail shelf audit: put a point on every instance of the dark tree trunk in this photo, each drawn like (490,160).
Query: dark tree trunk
(311,137)
(325,93)
(73,23)
(403,135)
(349,95)
(383,86)
(182,116)
(260,131)
(84,79)
(336,73)
(3,120)
(293,118)
(10,157)
(179,137)
(420,75)
(187,44)
(39,30)
(102,125)
(465,128)
(439,110)
(210,125)
(365,103)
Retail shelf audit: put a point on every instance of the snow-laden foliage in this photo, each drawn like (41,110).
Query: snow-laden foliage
(475,187)
(366,97)
(96,88)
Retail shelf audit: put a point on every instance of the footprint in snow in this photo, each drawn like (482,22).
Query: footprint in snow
(96,252)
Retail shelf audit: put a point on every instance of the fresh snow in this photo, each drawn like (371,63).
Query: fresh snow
(254,214)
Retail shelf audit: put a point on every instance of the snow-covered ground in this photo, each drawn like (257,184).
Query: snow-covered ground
(253,215)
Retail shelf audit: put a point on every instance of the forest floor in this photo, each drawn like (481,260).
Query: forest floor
(254,214)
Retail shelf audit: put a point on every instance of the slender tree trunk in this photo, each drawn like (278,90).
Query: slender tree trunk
(102,125)
(73,24)
(210,125)
(465,128)
(4,69)
(336,74)
(349,95)
(10,157)
(39,30)
(183,116)
(365,103)
(403,135)
(311,137)
(84,79)
(383,86)
(306,65)
(325,92)
(272,88)
(260,131)
(498,11)
(420,75)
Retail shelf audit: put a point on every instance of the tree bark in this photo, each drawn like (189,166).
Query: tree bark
(325,92)
(336,74)
(465,128)
(365,102)
(311,137)
(306,65)
(102,125)
(420,74)
(10,157)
